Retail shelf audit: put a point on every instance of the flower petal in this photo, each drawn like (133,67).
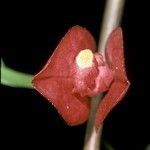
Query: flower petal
(73,108)
(55,80)
(120,84)
(115,54)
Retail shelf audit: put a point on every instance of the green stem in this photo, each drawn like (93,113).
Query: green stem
(111,19)
(15,78)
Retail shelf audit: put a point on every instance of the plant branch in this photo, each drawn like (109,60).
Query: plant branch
(111,19)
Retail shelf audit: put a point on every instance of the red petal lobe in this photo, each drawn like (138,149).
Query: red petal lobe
(55,80)
(115,59)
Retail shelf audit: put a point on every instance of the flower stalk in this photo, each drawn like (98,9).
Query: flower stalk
(15,78)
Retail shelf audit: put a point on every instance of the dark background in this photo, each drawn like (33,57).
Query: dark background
(30,33)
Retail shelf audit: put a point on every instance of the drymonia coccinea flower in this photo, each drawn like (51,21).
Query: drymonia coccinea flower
(76,72)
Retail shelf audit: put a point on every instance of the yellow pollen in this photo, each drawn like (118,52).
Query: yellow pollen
(85,58)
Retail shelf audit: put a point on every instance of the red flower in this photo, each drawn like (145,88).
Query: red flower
(75,72)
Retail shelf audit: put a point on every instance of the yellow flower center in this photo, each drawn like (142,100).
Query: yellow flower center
(84,59)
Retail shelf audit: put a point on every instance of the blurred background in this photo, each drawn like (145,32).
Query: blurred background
(30,33)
